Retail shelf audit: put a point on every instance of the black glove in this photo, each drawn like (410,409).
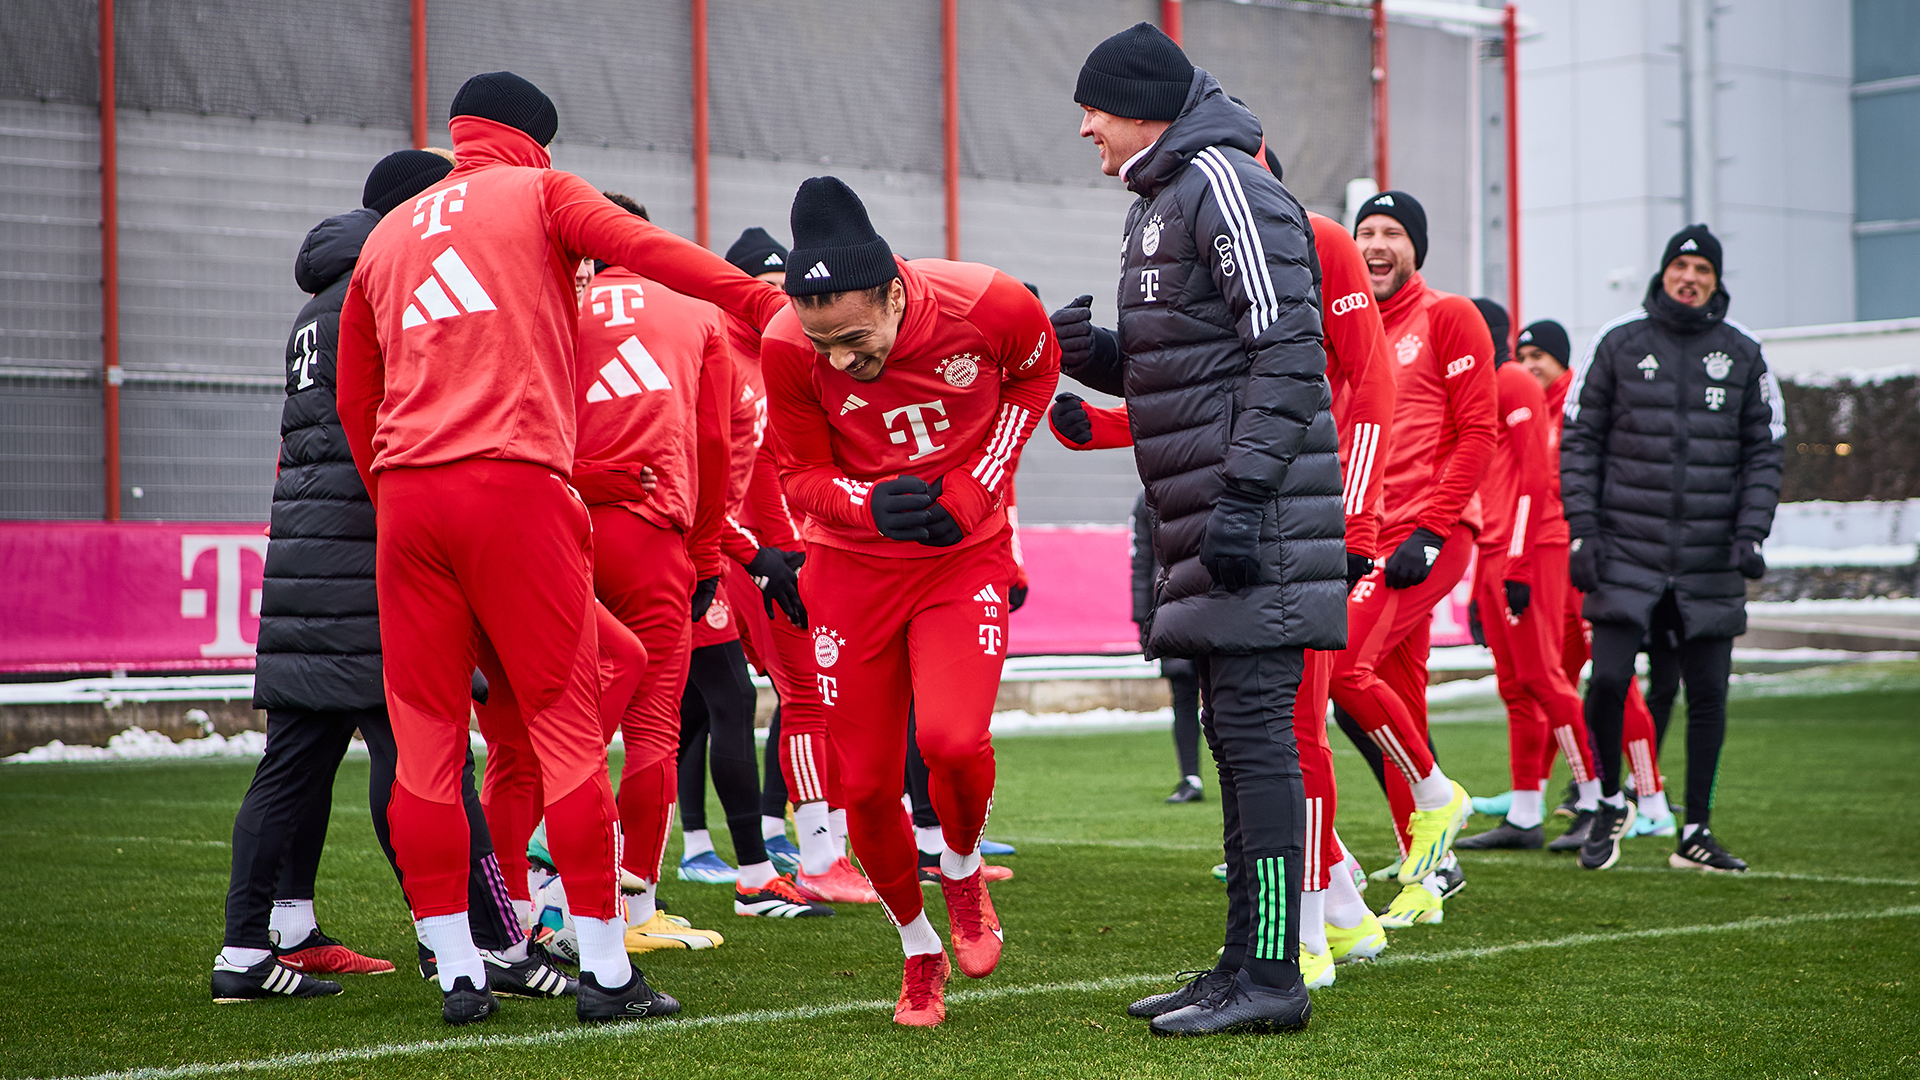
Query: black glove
(1070,418)
(1084,347)
(703,596)
(1519,595)
(1413,560)
(1358,566)
(479,688)
(1583,565)
(1016,597)
(1230,548)
(1474,626)
(942,530)
(900,508)
(777,574)
(1748,560)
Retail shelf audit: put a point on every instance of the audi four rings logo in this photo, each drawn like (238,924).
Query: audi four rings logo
(1350,302)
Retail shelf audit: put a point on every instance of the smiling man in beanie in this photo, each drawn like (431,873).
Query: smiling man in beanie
(1670,464)
(1218,354)
(902,393)
(457,395)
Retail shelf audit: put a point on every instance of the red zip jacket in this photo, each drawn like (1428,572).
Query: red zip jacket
(969,376)
(764,511)
(1443,411)
(747,427)
(656,380)
(1513,495)
(457,334)
(1357,371)
(1553,525)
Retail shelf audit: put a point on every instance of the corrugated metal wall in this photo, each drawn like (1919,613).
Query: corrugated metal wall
(244,123)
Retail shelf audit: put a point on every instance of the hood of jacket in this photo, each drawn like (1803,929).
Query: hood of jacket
(1680,320)
(1209,118)
(331,248)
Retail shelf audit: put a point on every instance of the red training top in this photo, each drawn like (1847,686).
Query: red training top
(764,511)
(969,376)
(457,334)
(1513,494)
(1443,412)
(1553,527)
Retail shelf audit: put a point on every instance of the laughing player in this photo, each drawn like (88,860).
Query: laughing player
(902,393)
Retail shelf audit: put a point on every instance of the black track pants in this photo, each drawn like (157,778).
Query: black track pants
(1185,688)
(716,730)
(773,792)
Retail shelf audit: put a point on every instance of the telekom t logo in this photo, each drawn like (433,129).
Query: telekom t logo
(990,638)
(919,425)
(829,689)
(427,208)
(622,300)
(226,596)
(304,340)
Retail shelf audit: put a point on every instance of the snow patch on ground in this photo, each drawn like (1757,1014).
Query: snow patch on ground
(139,744)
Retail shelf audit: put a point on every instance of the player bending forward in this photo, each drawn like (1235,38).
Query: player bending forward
(902,393)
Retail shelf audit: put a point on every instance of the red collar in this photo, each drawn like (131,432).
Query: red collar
(1409,297)
(479,142)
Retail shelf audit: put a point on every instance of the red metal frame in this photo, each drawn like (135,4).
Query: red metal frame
(950,113)
(419,74)
(701,198)
(109,262)
(1511,26)
(1170,23)
(1381,143)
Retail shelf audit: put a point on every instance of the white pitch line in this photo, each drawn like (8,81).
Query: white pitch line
(961,997)
(77,837)
(1478,858)
(1163,845)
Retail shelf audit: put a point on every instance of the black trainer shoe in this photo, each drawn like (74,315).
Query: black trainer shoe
(929,868)
(1610,823)
(634,1001)
(1240,1006)
(1505,836)
(1568,805)
(465,1004)
(1703,852)
(268,978)
(429,965)
(1187,792)
(1576,835)
(533,977)
(1451,878)
(1196,986)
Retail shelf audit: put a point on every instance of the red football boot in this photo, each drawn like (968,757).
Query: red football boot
(973,924)
(923,986)
(321,955)
(841,884)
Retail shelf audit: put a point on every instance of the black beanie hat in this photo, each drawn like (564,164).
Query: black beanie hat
(1498,325)
(1138,73)
(400,176)
(1404,209)
(511,100)
(757,252)
(1693,240)
(834,240)
(1549,337)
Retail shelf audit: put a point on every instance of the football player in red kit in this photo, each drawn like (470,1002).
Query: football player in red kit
(456,392)
(902,393)
(1336,926)
(1443,438)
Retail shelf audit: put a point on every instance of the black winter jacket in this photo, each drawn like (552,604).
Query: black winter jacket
(319,622)
(1225,380)
(1670,452)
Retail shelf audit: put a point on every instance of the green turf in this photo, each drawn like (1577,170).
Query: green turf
(115,876)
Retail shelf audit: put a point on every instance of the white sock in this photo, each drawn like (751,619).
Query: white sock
(756,875)
(1193,780)
(929,841)
(1588,795)
(917,937)
(1617,800)
(1313,921)
(1345,907)
(957,866)
(771,827)
(603,951)
(420,934)
(1686,833)
(523,911)
(235,958)
(1434,792)
(453,949)
(512,954)
(1654,806)
(641,906)
(697,841)
(816,837)
(291,922)
(1527,809)
(837,829)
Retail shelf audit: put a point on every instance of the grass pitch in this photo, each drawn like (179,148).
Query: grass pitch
(1809,966)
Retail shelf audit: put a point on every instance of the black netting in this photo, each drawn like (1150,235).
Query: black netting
(47,51)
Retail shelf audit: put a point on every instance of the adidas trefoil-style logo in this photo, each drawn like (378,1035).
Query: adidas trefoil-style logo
(1649,367)
(853,402)
(433,297)
(819,272)
(621,377)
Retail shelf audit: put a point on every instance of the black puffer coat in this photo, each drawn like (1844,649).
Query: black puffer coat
(319,621)
(1225,381)
(1671,451)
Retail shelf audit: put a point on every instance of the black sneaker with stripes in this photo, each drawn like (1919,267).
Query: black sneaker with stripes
(266,979)
(533,977)
(1702,851)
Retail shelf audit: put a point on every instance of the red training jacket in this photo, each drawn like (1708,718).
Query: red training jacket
(764,512)
(1513,494)
(1443,411)
(968,379)
(1553,528)
(457,333)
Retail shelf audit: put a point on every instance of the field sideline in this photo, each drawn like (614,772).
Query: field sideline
(1807,967)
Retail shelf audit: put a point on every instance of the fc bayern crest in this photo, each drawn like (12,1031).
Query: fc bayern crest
(1719,365)
(960,371)
(826,647)
(1406,349)
(717,614)
(1150,236)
